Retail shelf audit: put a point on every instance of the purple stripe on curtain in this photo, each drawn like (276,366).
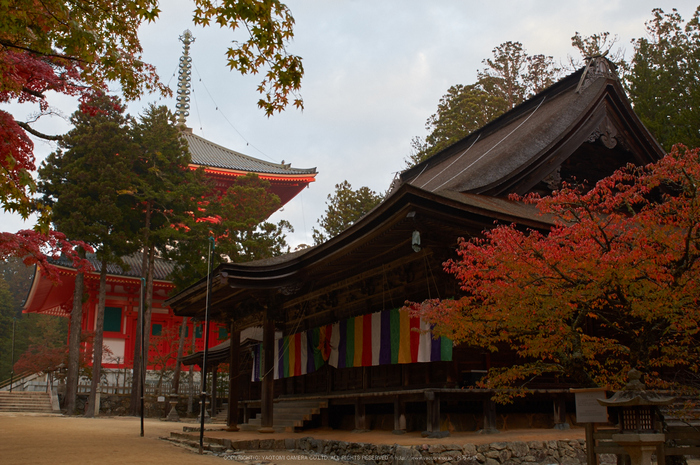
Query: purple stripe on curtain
(342,345)
(385,341)
(434,347)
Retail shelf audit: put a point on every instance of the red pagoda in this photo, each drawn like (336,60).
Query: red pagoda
(220,164)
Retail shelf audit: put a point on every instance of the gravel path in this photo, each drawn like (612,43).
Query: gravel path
(43,439)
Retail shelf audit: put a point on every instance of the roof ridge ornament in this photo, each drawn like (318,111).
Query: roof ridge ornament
(596,67)
(184,79)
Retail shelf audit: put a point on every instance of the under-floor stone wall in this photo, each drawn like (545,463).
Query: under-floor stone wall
(562,452)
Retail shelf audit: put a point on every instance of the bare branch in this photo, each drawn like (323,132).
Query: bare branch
(36,133)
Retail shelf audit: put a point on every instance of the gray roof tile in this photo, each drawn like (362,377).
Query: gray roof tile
(206,153)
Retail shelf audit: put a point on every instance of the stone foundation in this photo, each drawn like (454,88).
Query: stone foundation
(571,452)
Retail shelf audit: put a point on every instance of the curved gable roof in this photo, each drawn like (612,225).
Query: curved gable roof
(525,145)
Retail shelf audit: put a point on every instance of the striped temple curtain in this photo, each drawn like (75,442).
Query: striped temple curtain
(381,338)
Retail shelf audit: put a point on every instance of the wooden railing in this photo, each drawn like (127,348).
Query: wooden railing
(153,389)
(18,378)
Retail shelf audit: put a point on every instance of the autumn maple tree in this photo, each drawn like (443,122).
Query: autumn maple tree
(614,285)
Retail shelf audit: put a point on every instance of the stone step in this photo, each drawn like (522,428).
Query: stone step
(277,429)
(287,416)
(302,403)
(31,408)
(25,406)
(25,400)
(281,423)
(30,402)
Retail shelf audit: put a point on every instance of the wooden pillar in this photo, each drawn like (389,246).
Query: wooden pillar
(267,395)
(234,381)
(399,416)
(560,413)
(591,456)
(432,412)
(246,413)
(325,418)
(330,372)
(360,418)
(490,426)
(214,378)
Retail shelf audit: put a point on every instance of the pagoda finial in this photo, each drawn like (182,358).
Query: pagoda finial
(183,81)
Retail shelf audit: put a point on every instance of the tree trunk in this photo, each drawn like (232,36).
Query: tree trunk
(76,323)
(135,408)
(149,304)
(97,342)
(178,362)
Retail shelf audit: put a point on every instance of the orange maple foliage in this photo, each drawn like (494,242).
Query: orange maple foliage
(614,285)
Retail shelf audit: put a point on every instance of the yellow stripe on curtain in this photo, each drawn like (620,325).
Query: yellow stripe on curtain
(404,337)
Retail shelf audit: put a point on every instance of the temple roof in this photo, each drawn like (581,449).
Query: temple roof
(518,150)
(382,236)
(582,128)
(208,154)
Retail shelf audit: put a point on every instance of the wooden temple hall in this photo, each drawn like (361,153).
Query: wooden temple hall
(335,349)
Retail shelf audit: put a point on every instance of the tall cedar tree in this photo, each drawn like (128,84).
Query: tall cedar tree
(45,46)
(82,182)
(614,285)
(510,77)
(343,208)
(664,83)
(166,192)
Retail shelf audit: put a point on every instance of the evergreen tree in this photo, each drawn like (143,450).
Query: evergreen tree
(510,77)
(344,208)
(664,82)
(7,317)
(30,329)
(84,182)
(165,192)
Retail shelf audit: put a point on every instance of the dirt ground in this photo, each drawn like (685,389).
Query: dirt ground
(43,439)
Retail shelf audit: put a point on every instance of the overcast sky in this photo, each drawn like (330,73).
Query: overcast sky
(374,72)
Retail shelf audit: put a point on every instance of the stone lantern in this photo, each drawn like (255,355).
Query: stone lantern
(640,429)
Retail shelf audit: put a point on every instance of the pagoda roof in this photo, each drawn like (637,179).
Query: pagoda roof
(51,298)
(208,154)
(161,268)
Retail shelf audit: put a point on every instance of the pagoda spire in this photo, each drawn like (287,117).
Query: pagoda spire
(184,78)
